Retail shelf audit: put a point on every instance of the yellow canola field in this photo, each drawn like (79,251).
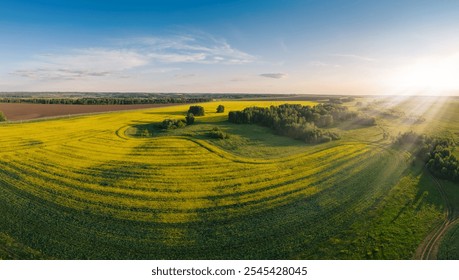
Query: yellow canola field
(89,163)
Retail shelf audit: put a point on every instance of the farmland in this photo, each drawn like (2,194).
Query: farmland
(23,111)
(92,187)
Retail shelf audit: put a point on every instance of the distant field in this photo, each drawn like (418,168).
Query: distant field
(23,111)
(89,187)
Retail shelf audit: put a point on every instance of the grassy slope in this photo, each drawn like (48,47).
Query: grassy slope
(449,247)
(80,188)
(398,221)
(11,249)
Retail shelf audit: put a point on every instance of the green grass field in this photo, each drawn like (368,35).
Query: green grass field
(450,245)
(90,187)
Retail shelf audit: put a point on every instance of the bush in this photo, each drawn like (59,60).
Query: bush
(180,124)
(196,110)
(189,119)
(220,109)
(172,124)
(218,134)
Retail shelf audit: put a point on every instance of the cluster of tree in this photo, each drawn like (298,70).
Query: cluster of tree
(105,100)
(340,100)
(435,152)
(172,124)
(390,113)
(217,133)
(347,99)
(220,109)
(300,122)
(196,110)
(2,117)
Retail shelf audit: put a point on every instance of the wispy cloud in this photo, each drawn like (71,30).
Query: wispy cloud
(64,74)
(185,76)
(153,53)
(274,75)
(200,48)
(323,64)
(354,56)
(81,63)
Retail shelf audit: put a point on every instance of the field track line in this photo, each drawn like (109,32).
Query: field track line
(428,249)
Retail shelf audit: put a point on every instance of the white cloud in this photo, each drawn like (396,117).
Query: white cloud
(101,58)
(274,75)
(354,56)
(66,74)
(197,48)
(323,64)
(81,63)
(185,76)
(151,53)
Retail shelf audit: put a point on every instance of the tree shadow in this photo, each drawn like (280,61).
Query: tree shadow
(428,191)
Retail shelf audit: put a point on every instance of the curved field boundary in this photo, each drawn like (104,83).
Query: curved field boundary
(241,159)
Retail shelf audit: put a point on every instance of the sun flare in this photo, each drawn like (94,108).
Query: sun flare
(432,76)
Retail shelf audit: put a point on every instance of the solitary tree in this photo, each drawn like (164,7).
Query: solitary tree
(220,109)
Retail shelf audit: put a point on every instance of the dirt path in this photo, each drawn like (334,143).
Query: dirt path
(428,249)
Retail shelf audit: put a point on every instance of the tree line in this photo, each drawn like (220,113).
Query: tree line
(301,122)
(106,100)
(435,152)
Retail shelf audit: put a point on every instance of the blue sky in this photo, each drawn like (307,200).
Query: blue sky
(333,47)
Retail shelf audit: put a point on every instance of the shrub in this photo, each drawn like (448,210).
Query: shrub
(172,124)
(189,119)
(218,134)
(196,110)
(220,109)
(180,124)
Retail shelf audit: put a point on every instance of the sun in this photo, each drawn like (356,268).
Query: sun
(433,76)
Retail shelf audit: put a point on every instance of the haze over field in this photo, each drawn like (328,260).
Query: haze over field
(324,47)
